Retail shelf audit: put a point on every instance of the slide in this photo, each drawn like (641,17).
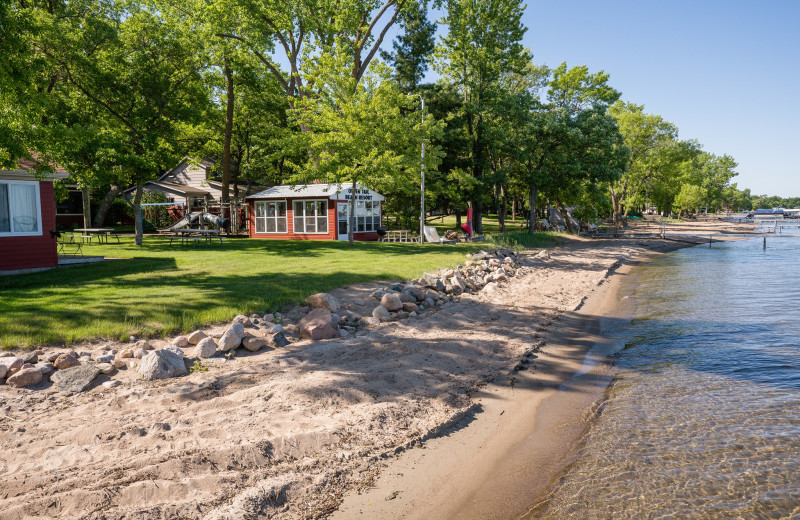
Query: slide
(214,220)
(188,220)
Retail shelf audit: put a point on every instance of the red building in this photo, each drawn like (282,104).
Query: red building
(314,212)
(27,219)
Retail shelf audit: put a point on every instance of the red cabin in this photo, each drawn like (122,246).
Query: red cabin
(314,212)
(27,219)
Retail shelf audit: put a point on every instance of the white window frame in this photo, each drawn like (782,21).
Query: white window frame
(371,215)
(12,233)
(266,204)
(304,217)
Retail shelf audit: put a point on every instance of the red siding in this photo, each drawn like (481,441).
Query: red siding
(332,224)
(31,252)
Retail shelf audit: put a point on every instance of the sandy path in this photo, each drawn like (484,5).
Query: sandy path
(285,433)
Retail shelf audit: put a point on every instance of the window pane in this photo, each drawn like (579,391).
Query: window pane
(271,210)
(23,200)
(298,208)
(342,227)
(322,208)
(259,225)
(309,208)
(322,224)
(282,209)
(376,223)
(360,223)
(298,225)
(270,225)
(342,211)
(260,209)
(359,208)
(311,226)
(5,222)
(376,209)
(281,224)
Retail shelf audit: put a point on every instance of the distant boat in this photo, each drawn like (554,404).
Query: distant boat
(767,213)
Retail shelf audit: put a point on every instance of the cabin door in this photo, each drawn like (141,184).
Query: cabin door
(342,220)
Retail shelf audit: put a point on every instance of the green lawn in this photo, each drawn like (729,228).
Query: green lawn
(157,289)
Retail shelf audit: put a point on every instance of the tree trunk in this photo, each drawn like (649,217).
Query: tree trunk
(514,209)
(137,212)
(352,226)
(532,214)
(501,211)
(87,207)
(458,219)
(105,206)
(226,147)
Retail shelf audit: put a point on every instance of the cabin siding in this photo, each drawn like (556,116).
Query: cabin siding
(368,236)
(37,251)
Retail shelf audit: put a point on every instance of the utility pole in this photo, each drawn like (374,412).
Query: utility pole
(422,199)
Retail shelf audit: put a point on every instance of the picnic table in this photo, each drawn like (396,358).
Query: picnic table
(399,235)
(102,234)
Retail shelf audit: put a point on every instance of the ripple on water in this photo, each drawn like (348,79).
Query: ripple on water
(703,420)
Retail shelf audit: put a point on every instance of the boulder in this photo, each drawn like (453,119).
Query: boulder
(458,285)
(27,376)
(125,353)
(375,321)
(279,340)
(45,368)
(177,351)
(105,368)
(232,337)
(195,337)
(392,302)
(119,363)
(275,329)
(162,364)
(50,358)
(410,307)
(323,301)
(318,324)
(139,353)
(9,365)
(432,281)
(206,348)
(407,297)
(378,294)
(254,343)
(415,291)
(75,379)
(382,313)
(67,360)
(30,358)
(106,358)
(143,344)
(180,341)
(244,320)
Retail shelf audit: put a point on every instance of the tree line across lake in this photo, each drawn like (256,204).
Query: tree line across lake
(117,92)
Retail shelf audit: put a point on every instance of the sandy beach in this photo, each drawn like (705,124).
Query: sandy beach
(467,413)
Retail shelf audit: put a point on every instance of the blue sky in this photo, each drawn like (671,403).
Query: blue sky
(726,73)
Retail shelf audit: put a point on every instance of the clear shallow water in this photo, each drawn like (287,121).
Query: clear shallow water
(703,419)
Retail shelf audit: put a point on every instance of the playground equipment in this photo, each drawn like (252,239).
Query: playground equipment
(197,218)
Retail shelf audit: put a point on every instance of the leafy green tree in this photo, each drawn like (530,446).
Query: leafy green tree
(482,45)
(361,131)
(689,198)
(412,50)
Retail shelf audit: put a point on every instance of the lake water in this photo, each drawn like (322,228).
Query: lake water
(703,419)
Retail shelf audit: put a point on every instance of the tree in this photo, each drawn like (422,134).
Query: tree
(412,49)
(361,131)
(483,43)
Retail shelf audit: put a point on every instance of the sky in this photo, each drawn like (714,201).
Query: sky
(725,72)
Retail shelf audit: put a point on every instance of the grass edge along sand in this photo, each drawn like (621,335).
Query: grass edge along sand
(158,289)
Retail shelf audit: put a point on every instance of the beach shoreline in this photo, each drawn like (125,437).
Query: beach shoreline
(298,432)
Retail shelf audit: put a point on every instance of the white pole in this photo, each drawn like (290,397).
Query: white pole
(422,184)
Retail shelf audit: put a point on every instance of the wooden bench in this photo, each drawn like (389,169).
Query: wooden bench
(68,246)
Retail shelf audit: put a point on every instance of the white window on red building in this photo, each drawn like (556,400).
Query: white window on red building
(271,217)
(20,209)
(310,216)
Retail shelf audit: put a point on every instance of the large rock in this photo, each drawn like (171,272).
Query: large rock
(318,324)
(27,376)
(195,337)
(323,301)
(30,358)
(244,320)
(10,364)
(279,340)
(410,307)
(162,364)
(254,343)
(232,337)
(180,341)
(432,281)
(75,379)
(206,348)
(45,368)
(175,350)
(382,313)
(67,360)
(392,302)
(415,291)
